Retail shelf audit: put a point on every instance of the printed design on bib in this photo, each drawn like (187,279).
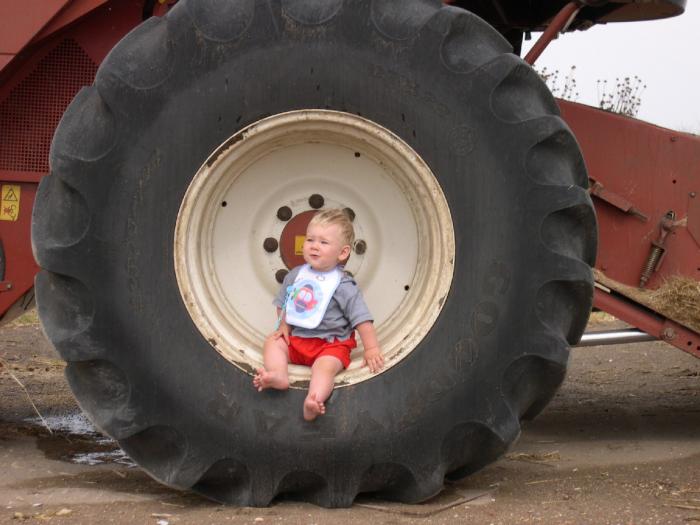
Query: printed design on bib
(308,298)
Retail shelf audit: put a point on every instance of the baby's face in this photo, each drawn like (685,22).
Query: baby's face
(323,247)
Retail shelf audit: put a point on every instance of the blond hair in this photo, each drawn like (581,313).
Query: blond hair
(339,217)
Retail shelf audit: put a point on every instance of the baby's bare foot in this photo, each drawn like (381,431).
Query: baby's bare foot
(264,379)
(313,408)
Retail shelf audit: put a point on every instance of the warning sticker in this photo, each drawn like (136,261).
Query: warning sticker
(9,203)
(299,244)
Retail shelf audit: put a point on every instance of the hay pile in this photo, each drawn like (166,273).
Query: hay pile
(678,298)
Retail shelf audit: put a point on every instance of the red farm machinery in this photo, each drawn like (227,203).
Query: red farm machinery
(159,161)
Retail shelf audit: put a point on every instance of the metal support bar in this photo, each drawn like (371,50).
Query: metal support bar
(614,337)
(21,176)
(650,322)
(558,24)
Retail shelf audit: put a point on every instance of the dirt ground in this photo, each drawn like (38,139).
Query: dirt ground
(619,444)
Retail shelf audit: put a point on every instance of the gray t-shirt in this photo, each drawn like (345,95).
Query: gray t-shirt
(345,311)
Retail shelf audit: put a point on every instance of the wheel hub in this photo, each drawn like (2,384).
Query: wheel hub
(244,216)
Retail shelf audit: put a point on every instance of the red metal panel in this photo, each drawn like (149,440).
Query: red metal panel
(98,32)
(654,169)
(72,12)
(53,16)
(31,111)
(21,21)
(34,97)
(34,93)
(20,176)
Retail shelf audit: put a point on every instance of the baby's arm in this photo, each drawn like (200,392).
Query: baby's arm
(282,328)
(373,354)
(282,331)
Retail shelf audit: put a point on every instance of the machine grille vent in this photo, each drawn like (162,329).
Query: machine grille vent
(30,114)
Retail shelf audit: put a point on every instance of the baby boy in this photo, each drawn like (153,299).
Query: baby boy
(319,307)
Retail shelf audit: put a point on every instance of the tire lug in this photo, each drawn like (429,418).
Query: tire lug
(360,247)
(270,244)
(284,213)
(280,275)
(316,201)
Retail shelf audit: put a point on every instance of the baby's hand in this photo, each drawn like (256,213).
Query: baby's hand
(373,359)
(283,332)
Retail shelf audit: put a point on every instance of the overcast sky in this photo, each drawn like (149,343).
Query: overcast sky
(664,53)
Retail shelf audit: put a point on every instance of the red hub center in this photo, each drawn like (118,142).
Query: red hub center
(292,239)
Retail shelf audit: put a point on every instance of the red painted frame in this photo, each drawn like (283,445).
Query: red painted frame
(96,26)
(648,321)
(655,170)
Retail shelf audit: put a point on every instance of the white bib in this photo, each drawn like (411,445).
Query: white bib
(309,296)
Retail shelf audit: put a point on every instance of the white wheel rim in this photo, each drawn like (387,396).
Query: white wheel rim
(226,278)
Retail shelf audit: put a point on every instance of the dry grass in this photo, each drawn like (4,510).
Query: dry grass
(535,457)
(679,298)
(26,319)
(601,318)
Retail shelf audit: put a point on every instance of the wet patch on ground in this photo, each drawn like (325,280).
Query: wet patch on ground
(70,438)
(73,438)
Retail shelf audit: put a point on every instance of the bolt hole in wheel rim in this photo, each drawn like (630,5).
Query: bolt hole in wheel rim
(226,277)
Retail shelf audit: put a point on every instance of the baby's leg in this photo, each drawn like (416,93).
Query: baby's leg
(323,373)
(274,374)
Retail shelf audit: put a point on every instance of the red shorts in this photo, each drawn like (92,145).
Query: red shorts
(305,350)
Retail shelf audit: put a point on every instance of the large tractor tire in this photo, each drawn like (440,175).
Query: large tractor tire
(174,177)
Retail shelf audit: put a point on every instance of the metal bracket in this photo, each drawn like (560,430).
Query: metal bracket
(657,251)
(622,204)
(694,216)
